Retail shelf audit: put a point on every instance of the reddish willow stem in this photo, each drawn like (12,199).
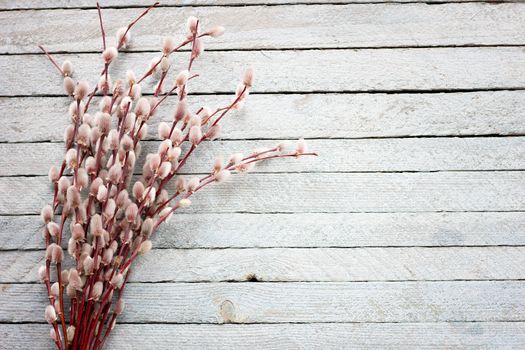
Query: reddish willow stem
(52,60)
(101,26)
(121,42)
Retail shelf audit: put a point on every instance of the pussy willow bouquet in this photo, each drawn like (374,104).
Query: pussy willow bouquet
(108,213)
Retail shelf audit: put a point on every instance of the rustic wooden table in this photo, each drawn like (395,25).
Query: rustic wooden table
(407,233)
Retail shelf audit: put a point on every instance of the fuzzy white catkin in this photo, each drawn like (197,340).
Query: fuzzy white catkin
(193,184)
(145,247)
(53,228)
(191,24)
(117,281)
(182,78)
(54,174)
(74,279)
(166,213)
(82,178)
(164,169)
(143,107)
(46,214)
(109,54)
(176,136)
(164,147)
(180,111)
(222,175)
(53,334)
(123,36)
(50,314)
(301,146)
(167,45)
(184,203)
(81,90)
(154,162)
(70,333)
(195,135)
(247,78)
(58,254)
(119,306)
(216,31)
(164,130)
(69,86)
(67,68)
(131,212)
(55,289)
(174,153)
(102,193)
(214,132)
(96,292)
(42,273)
(138,190)
(88,265)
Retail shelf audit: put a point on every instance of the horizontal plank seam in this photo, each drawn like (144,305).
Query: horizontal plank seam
(284,48)
(87,7)
(320,282)
(32,176)
(322,138)
(233,324)
(37,215)
(348,247)
(321,92)
(325,212)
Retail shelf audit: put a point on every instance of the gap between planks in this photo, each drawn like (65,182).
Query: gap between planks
(233,3)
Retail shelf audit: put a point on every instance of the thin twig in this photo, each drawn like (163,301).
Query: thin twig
(52,60)
(101,26)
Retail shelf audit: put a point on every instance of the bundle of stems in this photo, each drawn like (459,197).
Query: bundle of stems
(108,213)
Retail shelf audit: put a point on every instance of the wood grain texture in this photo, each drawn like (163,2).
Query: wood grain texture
(383,155)
(301,265)
(87,4)
(296,302)
(311,116)
(388,240)
(331,192)
(308,230)
(274,27)
(401,336)
(294,71)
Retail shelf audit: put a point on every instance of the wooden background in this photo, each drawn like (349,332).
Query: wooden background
(407,233)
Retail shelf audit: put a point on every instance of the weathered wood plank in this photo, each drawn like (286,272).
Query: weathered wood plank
(312,116)
(402,336)
(417,154)
(274,27)
(296,302)
(302,265)
(338,70)
(87,4)
(332,192)
(309,230)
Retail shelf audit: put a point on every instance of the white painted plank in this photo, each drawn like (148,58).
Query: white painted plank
(59,4)
(311,116)
(302,265)
(296,302)
(308,230)
(338,70)
(313,192)
(273,27)
(417,154)
(401,336)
